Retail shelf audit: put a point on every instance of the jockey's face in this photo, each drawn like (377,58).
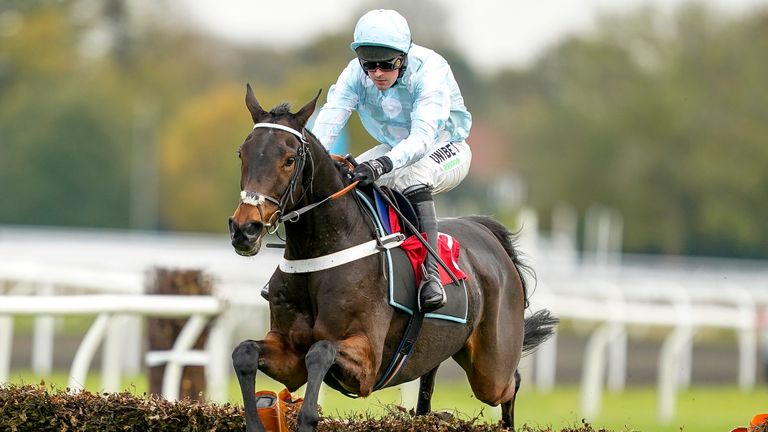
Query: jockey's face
(383,79)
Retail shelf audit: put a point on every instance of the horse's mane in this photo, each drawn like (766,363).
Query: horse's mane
(284,109)
(281,110)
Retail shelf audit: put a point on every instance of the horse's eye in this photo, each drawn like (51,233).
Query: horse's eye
(290,161)
(239,155)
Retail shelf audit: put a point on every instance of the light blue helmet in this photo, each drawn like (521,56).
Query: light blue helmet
(383,28)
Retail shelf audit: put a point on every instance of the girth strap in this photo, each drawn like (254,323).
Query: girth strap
(403,351)
(343,256)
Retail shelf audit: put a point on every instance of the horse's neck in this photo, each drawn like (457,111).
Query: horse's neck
(326,229)
(330,227)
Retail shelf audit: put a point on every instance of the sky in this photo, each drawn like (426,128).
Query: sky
(490,33)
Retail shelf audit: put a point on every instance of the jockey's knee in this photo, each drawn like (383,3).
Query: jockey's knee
(418,193)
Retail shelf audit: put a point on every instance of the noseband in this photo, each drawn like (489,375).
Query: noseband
(256,199)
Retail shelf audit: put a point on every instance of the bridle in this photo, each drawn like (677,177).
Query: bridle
(257,199)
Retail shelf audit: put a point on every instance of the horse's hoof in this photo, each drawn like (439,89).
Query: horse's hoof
(308,422)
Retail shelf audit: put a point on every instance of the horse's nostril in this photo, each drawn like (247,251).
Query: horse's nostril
(252,229)
(246,232)
(233,228)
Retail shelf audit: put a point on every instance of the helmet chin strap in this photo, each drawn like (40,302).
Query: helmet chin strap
(401,71)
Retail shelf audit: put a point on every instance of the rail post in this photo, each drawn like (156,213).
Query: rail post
(163,332)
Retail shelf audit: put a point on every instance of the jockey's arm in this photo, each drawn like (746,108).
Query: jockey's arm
(431,109)
(334,114)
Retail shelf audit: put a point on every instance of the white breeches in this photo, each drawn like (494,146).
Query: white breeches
(442,169)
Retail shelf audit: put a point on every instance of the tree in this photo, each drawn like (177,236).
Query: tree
(199,165)
(61,154)
(660,122)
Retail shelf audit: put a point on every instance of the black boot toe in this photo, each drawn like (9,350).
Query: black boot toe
(431,296)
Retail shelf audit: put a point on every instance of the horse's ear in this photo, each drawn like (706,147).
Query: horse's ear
(253,105)
(306,111)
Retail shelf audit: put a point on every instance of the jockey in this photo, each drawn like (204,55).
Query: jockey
(408,100)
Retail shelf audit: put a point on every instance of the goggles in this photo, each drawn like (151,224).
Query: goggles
(385,65)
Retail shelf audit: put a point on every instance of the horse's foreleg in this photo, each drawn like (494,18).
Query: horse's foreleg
(508,408)
(319,359)
(245,359)
(426,387)
(276,358)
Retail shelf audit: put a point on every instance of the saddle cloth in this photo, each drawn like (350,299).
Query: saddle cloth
(405,267)
(403,289)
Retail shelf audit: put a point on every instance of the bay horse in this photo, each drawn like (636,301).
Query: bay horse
(335,325)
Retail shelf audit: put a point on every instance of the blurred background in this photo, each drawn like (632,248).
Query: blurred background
(126,114)
(623,137)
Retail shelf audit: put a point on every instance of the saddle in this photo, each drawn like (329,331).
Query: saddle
(389,218)
(406,260)
(403,263)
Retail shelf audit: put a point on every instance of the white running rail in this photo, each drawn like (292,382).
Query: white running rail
(52,273)
(200,309)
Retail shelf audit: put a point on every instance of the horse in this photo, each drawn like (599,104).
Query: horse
(335,325)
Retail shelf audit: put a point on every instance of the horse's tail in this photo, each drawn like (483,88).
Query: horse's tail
(541,325)
(537,328)
(507,240)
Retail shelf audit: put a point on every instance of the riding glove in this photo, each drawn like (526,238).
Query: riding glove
(369,171)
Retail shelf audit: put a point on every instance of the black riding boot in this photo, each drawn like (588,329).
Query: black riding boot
(431,292)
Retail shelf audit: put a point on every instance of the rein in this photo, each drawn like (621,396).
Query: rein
(375,246)
(257,199)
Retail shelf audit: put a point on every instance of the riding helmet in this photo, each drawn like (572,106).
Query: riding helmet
(385,29)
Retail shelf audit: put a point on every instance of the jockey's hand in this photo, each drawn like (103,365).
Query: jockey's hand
(370,171)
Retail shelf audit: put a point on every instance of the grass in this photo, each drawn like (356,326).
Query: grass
(700,409)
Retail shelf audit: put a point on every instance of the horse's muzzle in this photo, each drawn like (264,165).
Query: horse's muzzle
(246,238)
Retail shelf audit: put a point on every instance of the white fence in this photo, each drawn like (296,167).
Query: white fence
(679,307)
(109,309)
(53,273)
(38,267)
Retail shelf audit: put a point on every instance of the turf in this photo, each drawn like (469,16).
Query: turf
(700,409)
